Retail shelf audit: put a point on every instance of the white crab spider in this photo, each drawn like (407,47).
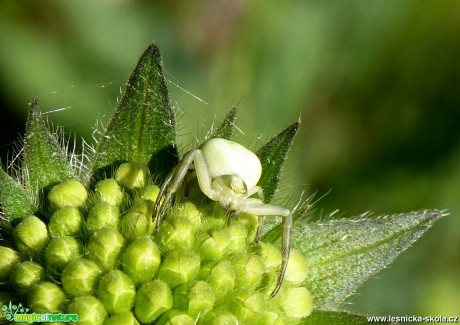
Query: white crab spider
(228,173)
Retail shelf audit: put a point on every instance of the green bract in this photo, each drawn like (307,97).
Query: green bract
(82,240)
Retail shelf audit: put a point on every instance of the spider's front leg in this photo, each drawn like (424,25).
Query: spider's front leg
(257,207)
(172,182)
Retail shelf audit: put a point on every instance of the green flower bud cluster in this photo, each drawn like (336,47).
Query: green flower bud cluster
(98,255)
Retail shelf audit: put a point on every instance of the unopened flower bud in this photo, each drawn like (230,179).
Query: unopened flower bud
(132,174)
(220,318)
(69,193)
(222,278)
(31,237)
(122,319)
(116,291)
(109,191)
(296,302)
(215,247)
(189,211)
(297,269)
(89,310)
(176,233)
(249,270)
(137,222)
(270,255)
(141,260)
(179,267)
(238,238)
(104,247)
(79,277)
(152,299)
(196,298)
(66,222)
(47,297)
(103,214)
(176,317)
(150,192)
(26,274)
(9,259)
(251,222)
(61,251)
(248,306)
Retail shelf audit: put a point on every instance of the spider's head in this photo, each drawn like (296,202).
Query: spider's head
(232,191)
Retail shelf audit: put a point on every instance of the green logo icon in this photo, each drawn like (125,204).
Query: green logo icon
(19,314)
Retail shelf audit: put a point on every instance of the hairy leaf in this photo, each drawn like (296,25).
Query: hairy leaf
(342,254)
(319,317)
(44,160)
(143,127)
(15,201)
(225,130)
(272,155)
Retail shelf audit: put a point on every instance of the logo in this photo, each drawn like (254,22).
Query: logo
(20,314)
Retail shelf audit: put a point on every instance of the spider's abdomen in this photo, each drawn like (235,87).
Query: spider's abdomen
(225,157)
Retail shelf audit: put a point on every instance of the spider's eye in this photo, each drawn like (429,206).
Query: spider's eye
(237,190)
(234,183)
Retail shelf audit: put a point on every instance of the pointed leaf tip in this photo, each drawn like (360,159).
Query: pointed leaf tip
(342,254)
(143,127)
(272,156)
(227,127)
(44,159)
(16,203)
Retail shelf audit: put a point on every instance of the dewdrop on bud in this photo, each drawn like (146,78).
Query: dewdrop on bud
(296,302)
(26,274)
(249,270)
(137,222)
(179,267)
(66,222)
(152,299)
(176,317)
(102,215)
(61,251)
(104,247)
(197,298)
(215,247)
(109,191)
(9,259)
(176,233)
(79,277)
(89,309)
(122,319)
(297,269)
(132,174)
(31,237)
(116,291)
(47,297)
(141,260)
(69,193)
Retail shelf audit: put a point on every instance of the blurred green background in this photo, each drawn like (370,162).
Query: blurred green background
(376,84)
